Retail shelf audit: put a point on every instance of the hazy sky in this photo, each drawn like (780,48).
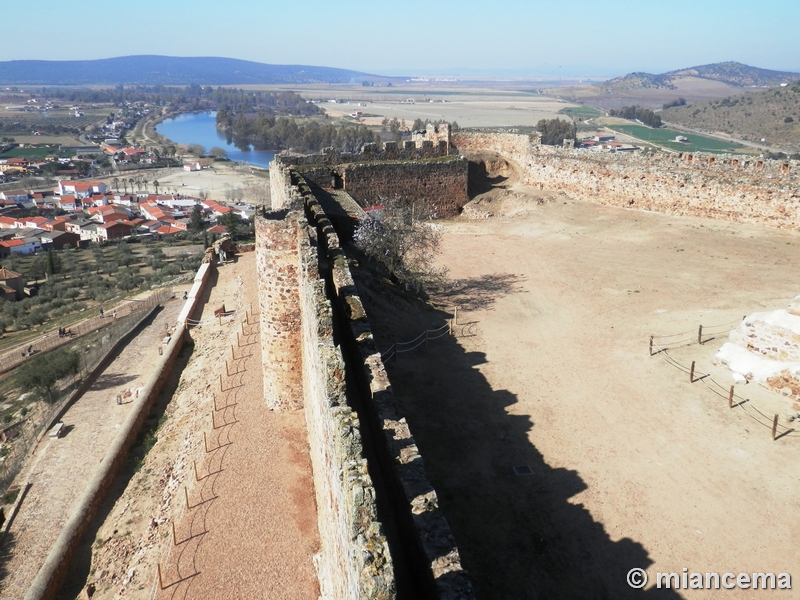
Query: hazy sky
(568,37)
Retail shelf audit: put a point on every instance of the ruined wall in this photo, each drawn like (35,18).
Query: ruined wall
(726,187)
(304,369)
(431,548)
(278,264)
(442,184)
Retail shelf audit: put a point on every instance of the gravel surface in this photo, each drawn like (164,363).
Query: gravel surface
(60,468)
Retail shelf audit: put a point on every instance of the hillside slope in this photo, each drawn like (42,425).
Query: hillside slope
(168,70)
(773,115)
(731,73)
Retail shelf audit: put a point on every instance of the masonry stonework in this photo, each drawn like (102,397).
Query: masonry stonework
(304,369)
(423,170)
(745,190)
(277,260)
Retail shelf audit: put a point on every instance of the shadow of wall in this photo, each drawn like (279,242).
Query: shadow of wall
(519,536)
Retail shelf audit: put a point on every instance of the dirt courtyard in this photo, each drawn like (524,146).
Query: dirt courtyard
(630,464)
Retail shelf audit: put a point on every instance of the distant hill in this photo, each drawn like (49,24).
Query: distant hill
(169,70)
(730,73)
(772,114)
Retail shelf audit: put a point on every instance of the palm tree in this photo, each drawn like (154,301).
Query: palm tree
(125,185)
(155,185)
(115,181)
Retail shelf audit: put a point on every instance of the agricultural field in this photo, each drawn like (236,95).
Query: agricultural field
(22,122)
(33,153)
(584,112)
(666,139)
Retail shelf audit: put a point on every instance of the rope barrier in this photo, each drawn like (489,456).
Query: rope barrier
(723,324)
(707,380)
(423,338)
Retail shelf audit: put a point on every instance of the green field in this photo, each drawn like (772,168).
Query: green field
(666,138)
(30,152)
(580,111)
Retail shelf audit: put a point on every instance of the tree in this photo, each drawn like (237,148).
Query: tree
(218,152)
(197,149)
(155,185)
(555,131)
(43,371)
(196,219)
(232,223)
(400,238)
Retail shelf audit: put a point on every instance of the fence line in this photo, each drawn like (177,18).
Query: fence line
(62,394)
(423,338)
(51,339)
(707,380)
(690,337)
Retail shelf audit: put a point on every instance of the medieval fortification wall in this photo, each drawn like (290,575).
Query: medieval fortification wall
(315,336)
(727,187)
(421,170)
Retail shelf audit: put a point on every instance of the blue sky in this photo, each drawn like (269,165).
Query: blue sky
(548,37)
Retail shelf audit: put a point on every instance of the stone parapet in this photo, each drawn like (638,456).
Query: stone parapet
(421,522)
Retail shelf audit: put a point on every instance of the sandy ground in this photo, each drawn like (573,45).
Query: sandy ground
(249,530)
(217,182)
(630,464)
(60,468)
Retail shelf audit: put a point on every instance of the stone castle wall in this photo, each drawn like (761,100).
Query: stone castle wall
(304,369)
(727,187)
(430,548)
(278,264)
(419,170)
(442,184)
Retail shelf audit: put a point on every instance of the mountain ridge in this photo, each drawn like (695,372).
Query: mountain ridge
(170,70)
(732,73)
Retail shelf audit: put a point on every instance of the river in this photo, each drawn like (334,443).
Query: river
(201,128)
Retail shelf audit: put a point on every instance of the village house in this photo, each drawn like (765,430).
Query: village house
(11,285)
(81,189)
(19,246)
(60,239)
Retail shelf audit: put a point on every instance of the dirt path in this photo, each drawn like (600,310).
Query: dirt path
(60,468)
(251,529)
(630,465)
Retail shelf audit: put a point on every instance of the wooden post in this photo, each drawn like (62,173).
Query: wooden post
(450,326)
(196,478)
(651,345)
(233,354)
(700,335)
(220,383)
(174,536)
(186,495)
(160,580)
(455,316)
(691,374)
(730,398)
(774,426)
(219,318)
